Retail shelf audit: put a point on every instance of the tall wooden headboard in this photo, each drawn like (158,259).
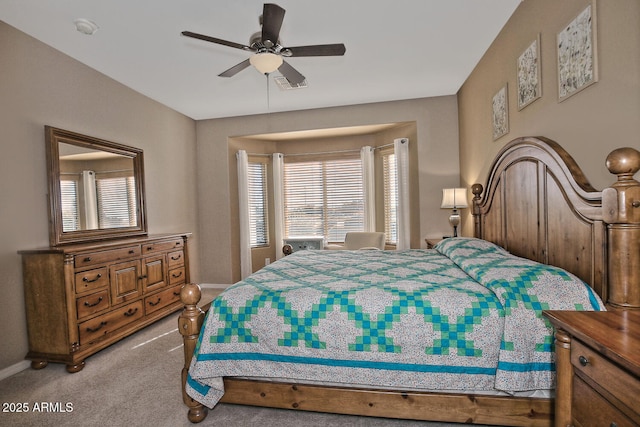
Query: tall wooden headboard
(538,204)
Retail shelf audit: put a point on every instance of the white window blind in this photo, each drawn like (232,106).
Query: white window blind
(258,208)
(390,196)
(116,202)
(323,198)
(69,200)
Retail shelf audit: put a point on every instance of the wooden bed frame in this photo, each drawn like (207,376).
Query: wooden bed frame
(537,205)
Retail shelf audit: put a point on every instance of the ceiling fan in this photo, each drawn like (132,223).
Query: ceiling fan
(267,50)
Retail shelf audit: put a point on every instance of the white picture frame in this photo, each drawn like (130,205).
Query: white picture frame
(576,47)
(529,76)
(500,110)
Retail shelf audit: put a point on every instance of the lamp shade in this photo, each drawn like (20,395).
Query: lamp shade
(266,62)
(454,198)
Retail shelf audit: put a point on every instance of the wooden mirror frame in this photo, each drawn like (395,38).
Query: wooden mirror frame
(53,137)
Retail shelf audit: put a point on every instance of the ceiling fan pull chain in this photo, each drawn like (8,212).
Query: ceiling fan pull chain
(268,94)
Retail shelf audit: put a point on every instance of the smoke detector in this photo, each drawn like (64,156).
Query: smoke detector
(86,26)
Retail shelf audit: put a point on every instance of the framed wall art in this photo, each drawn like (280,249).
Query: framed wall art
(529,77)
(500,109)
(576,49)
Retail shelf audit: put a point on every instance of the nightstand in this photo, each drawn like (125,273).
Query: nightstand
(598,367)
(432,241)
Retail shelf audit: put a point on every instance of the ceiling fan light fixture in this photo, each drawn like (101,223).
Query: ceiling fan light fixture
(266,62)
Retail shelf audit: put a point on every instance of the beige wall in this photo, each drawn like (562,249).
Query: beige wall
(589,124)
(40,86)
(436,158)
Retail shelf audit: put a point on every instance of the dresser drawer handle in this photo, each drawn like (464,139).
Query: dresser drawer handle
(149,248)
(87,259)
(153,304)
(88,304)
(175,276)
(100,326)
(131,312)
(583,360)
(613,424)
(175,258)
(84,279)
(132,251)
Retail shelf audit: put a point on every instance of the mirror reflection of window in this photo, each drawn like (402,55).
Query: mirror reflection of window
(70,209)
(116,201)
(98,202)
(98,189)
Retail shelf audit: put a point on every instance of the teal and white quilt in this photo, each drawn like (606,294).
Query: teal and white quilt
(465,316)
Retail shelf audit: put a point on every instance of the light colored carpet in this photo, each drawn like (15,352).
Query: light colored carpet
(136,382)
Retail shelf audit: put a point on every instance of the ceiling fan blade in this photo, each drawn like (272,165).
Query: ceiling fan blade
(215,40)
(272,17)
(235,69)
(337,49)
(291,74)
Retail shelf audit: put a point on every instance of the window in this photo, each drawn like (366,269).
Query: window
(323,198)
(390,196)
(115,198)
(69,199)
(258,208)
(116,202)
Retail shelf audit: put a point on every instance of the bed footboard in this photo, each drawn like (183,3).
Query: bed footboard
(189,324)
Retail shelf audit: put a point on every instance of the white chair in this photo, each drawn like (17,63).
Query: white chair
(361,240)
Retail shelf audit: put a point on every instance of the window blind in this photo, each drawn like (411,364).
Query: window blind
(323,198)
(116,202)
(258,208)
(69,200)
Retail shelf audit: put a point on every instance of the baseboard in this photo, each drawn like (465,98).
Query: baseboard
(14,369)
(213,285)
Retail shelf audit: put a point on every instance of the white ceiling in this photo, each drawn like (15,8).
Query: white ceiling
(400,49)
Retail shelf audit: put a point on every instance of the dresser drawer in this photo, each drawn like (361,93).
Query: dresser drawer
(608,375)
(93,303)
(163,245)
(175,259)
(91,279)
(591,409)
(176,276)
(103,257)
(161,299)
(109,322)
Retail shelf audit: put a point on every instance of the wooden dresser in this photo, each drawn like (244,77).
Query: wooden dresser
(598,367)
(82,298)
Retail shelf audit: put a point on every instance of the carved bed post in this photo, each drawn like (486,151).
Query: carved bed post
(477,190)
(621,211)
(564,380)
(189,324)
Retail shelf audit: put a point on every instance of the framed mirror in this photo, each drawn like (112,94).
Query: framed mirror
(96,188)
